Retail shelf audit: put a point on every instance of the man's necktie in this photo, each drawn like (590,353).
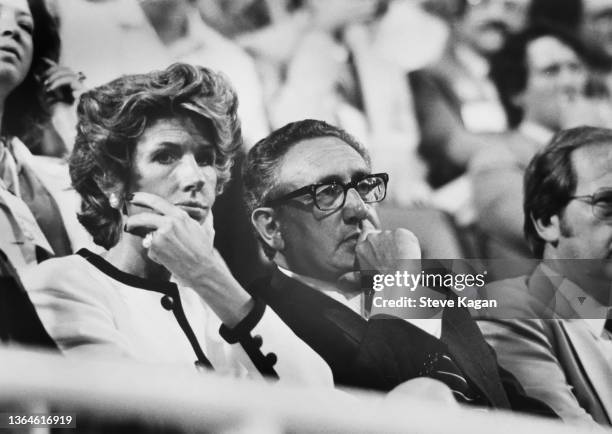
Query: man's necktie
(368,297)
(440,366)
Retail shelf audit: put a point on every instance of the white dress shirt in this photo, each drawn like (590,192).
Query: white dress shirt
(356,301)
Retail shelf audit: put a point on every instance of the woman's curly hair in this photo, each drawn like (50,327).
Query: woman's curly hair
(112,118)
(25,111)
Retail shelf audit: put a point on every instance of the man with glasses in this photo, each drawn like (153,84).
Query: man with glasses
(553,333)
(312,195)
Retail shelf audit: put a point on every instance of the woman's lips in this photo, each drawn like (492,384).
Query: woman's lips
(10,50)
(195,211)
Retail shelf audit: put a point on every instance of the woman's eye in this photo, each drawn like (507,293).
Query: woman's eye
(165,157)
(28,26)
(206,158)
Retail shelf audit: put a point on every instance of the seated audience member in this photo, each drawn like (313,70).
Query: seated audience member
(152,152)
(311,192)
(541,77)
(19,323)
(454,96)
(37,217)
(551,331)
(596,27)
(344,62)
(189,39)
(597,24)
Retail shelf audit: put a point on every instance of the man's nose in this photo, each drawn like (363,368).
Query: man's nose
(354,207)
(191,174)
(571,80)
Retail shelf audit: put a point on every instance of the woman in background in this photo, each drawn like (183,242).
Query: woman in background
(37,211)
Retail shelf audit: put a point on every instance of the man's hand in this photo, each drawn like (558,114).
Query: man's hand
(383,251)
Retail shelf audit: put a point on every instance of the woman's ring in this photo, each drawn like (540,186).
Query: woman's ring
(148,239)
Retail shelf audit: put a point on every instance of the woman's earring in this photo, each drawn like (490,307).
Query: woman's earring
(113,200)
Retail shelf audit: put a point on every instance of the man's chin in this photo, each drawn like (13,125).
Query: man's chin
(490,42)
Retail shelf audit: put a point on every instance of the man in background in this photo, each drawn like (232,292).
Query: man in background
(552,333)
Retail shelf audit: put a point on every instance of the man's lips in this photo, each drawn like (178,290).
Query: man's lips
(353,237)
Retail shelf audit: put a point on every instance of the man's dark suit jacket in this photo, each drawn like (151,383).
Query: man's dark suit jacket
(384,352)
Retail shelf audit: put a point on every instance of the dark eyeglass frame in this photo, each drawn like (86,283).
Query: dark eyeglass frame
(311,190)
(593,199)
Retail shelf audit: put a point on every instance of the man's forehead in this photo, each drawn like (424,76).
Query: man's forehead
(548,49)
(311,160)
(592,163)
(597,6)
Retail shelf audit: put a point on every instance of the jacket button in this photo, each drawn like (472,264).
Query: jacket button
(200,366)
(167,302)
(271,358)
(258,341)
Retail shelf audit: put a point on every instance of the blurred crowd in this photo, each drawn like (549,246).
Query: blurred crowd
(449,96)
(451,99)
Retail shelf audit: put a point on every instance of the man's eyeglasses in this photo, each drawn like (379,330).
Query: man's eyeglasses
(332,195)
(600,201)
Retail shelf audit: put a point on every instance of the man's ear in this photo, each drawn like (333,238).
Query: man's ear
(549,231)
(267,225)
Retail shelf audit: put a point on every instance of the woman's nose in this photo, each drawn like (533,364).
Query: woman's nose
(8,24)
(192,175)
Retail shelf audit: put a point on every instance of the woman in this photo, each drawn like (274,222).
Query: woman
(36,217)
(151,154)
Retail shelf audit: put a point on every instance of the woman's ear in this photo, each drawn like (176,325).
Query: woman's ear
(548,229)
(114,192)
(267,226)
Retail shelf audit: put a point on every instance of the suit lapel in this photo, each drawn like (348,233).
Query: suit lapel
(581,341)
(331,329)
(595,366)
(467,346)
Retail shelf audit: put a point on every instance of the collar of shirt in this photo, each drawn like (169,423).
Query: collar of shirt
(355,301)
(536,132)
(473,62)
(10,166)
(352,300)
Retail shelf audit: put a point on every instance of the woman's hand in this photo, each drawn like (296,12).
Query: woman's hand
(185,248)
(61,84)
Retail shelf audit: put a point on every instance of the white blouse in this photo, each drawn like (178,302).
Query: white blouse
(88,306)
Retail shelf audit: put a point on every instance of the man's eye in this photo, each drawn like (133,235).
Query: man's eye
(328,194)
(552,70)
(605,204)
(366,185)
(165,157)
(331,190)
